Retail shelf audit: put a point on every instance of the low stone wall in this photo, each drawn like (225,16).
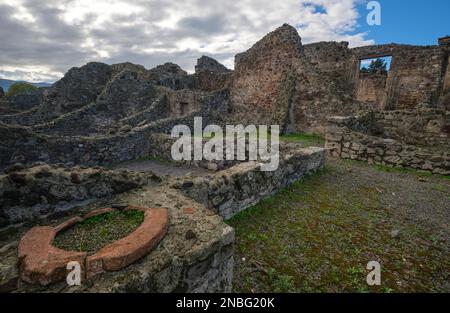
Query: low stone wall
(241,186)
(196,255)
(24,145)
(32,193)
(343,142)
(427,127)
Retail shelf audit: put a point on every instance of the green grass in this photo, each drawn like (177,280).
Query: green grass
(96,232)
(305,139)
(400,170)
(318,236)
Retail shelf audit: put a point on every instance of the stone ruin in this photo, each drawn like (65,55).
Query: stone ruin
(60,147)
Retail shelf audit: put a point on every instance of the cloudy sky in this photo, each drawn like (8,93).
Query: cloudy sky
(41,40)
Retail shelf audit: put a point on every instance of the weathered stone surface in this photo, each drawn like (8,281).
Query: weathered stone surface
(9,274)
(27,193)
(40,262)
(209,64)
(260,74)
(243,185)
(352,138)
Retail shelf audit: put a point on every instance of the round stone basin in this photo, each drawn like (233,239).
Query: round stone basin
(41,262)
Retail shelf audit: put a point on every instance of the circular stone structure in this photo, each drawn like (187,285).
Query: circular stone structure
(40,262)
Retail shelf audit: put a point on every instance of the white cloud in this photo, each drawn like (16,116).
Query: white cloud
(53,36)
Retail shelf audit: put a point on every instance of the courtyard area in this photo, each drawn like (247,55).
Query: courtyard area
(319,234)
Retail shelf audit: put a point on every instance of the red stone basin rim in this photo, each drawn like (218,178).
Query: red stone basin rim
(42,263)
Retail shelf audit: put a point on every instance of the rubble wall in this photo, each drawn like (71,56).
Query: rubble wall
(258,77)
(415,76)
(243,185)
(348,138)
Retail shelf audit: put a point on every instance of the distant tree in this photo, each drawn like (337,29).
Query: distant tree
(364,70)
(378,66)
(18,88)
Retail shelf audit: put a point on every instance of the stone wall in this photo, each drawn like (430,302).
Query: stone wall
(419,74)
(415,76)
(27,100)
(333,59)
(371,89)
(445,97)
(243,185)
(24,145)
(211,81)
(423,127)
(259,74)
(342,140)
(27,194)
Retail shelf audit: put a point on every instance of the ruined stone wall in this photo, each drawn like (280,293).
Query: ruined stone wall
(371,89)
(415,76)
(210,81)
(31,193)
(27,100)
(23,145)
(259,73)
(419,74)
(445,96)
(184,102)
(315,97)
(344,142)
(243,185)
(423,127)
(333,59)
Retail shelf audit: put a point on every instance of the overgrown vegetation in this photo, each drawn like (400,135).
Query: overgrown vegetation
(18,88)
(305,139)
(98,231)
(404,170)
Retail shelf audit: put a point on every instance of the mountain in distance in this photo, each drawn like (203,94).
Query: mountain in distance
(6,83)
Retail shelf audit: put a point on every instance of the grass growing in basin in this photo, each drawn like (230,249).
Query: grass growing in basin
(98,231)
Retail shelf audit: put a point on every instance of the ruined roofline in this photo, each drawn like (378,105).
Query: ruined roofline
(396,45)
(283,33)
(324,42)
(442,41)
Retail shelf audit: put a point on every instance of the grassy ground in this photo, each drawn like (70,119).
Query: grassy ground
(319,234)
(305,139)
(98,231)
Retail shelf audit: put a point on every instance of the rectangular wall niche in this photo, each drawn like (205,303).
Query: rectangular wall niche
(183,109)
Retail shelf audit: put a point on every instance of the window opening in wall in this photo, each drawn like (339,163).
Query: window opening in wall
(379,65)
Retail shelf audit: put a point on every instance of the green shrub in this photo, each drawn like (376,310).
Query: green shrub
(18,88)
